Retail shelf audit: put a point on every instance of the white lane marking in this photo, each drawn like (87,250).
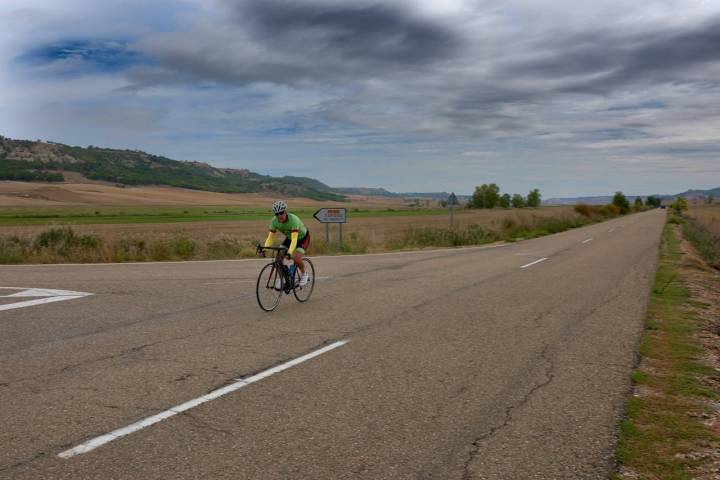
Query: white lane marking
(587,240)
(533,263)
(45,292)
(39,301)
(52,296)
(611,230)
(146,422)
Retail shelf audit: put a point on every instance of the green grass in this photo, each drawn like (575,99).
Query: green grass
(658,430)
(82,215)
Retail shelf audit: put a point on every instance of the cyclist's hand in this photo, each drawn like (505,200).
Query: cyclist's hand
(259,251)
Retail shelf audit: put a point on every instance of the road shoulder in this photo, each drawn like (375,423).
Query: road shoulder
(672,418)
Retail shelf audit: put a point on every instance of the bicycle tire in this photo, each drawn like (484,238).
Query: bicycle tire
(268,296)
(302,294)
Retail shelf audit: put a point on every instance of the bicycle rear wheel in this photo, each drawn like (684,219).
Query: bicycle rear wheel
(303,293)
(269,289)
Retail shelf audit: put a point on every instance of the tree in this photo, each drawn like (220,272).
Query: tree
(710,198)
(452,201)
(486,196)
(621,202)
(653,201)
(679,204)
(504,201)
(638,204)
(518,201)
(533,198)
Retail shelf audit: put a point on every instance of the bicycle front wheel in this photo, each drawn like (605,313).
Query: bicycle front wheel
(303,293)
(270,285)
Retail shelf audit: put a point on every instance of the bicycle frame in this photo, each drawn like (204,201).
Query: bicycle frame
(277,273)
(280,266)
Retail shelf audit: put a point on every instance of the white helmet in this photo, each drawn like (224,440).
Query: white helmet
(279,207)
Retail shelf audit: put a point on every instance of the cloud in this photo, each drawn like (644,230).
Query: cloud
(536,86)
(293,43)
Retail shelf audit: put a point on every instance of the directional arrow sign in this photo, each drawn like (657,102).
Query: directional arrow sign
(330,215)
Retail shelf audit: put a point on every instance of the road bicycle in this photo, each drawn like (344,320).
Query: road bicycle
(277,278)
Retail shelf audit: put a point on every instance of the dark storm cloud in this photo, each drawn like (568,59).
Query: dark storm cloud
(369,32)
(294,42)
(610,60)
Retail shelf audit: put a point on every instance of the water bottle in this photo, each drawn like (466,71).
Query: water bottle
(291,271)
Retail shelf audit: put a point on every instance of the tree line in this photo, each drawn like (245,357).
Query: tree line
(489,196)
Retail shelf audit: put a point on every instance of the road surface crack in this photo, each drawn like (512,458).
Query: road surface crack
(507,417)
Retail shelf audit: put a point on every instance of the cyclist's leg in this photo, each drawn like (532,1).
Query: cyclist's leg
(300,251)
(297,258)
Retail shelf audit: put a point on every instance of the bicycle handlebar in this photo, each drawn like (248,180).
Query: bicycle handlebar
(271,248)
(282,250)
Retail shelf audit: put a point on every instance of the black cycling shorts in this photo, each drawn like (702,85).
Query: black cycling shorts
(303,243)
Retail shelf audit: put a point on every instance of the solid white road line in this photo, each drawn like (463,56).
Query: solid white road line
(146,422)
(533,263)
(587,240)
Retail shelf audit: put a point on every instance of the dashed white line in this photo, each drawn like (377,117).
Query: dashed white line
(533,263)
(146,422)
(587,240)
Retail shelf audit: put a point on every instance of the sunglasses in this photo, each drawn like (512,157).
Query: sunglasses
(280,213)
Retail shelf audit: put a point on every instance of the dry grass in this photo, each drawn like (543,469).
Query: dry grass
(215,240)
(375,230)
(706,216)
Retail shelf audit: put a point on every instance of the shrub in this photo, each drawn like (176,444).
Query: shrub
(130,250)
(225,246)
(182,246)
(66,244)
(583,209)
(14,249)
(445,237)
(610,210)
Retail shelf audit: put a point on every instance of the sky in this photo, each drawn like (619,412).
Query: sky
(573,98)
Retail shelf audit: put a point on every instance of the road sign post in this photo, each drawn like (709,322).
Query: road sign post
(328,216)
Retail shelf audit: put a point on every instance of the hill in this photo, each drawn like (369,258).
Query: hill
(689,194)
(25,160)
(381,192)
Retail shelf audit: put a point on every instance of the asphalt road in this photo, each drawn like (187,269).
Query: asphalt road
(458,364)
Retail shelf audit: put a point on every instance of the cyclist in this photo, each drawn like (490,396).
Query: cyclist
(296,233)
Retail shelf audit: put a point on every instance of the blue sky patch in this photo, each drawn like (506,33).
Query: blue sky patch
(106,55)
